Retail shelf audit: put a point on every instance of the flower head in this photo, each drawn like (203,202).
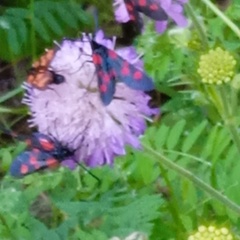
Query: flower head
(211,232)
(73,112)
(174,10)
(216,67)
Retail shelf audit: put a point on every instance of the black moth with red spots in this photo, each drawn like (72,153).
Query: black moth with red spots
(150,8)
(42,152)
(111,68)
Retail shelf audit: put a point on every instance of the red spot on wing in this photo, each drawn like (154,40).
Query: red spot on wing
(33,160)
(132,17)
(103,88)
(106,78)
(129,7)
(97,59)
(46,145)
(28,142)
(138,75)
(52,162)
(142,3)
(24,169)
(112,54)
(154,7)
(36,166)
(100,73)
(125,70)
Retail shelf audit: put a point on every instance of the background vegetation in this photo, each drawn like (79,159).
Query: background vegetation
(188,172)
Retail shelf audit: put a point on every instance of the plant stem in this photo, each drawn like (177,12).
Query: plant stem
(198,25)
(172,203)
(228,118)
(32,30)
(190,176)
(225,19)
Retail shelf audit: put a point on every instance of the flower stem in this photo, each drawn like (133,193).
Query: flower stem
(198,25)
(220,14)
(190,176)
(228,118)
(32,30)
(172,203)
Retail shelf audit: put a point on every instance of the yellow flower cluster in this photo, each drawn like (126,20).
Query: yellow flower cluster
(216,67)
(211,233)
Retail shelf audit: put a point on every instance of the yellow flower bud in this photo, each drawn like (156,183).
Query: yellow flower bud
(211,233)
(216,67)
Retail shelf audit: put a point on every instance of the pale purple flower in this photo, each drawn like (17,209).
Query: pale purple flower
(174,10)
(74,114)
(120,11)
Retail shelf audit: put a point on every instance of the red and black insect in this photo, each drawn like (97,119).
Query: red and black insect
(42,152)
(40,76)
(111,68)
(150,8)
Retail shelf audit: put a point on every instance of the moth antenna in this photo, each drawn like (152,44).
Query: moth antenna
(89,172)
(95,18)
(114,39)
(57,44)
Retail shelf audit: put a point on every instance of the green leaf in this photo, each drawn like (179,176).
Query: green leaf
(145,168)
(40,231)
(193,136)
(161,136)
(95,234)
(77,11)
(67,16)
(22,31)
(175,133)
(210,142)
(40,29)
(13,40)
(17,12)
(135,216)
(11,94)
(222,141)
(53,23)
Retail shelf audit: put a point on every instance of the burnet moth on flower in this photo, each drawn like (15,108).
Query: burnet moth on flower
(111,68)
(40,76)
(150,8)
(42,152)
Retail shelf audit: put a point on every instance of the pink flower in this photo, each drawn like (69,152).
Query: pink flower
(73,113)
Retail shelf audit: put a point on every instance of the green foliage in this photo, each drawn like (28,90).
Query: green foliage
(197,133)
(24,29)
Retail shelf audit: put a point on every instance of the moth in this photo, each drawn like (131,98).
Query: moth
(42,152)
(111,67)
(40,76)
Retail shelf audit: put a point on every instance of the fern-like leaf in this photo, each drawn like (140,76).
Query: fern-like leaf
(21,29)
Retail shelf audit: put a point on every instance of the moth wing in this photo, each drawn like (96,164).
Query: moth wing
(129,74)
(106,78)
(150,8)
(42,142)
(31,161)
